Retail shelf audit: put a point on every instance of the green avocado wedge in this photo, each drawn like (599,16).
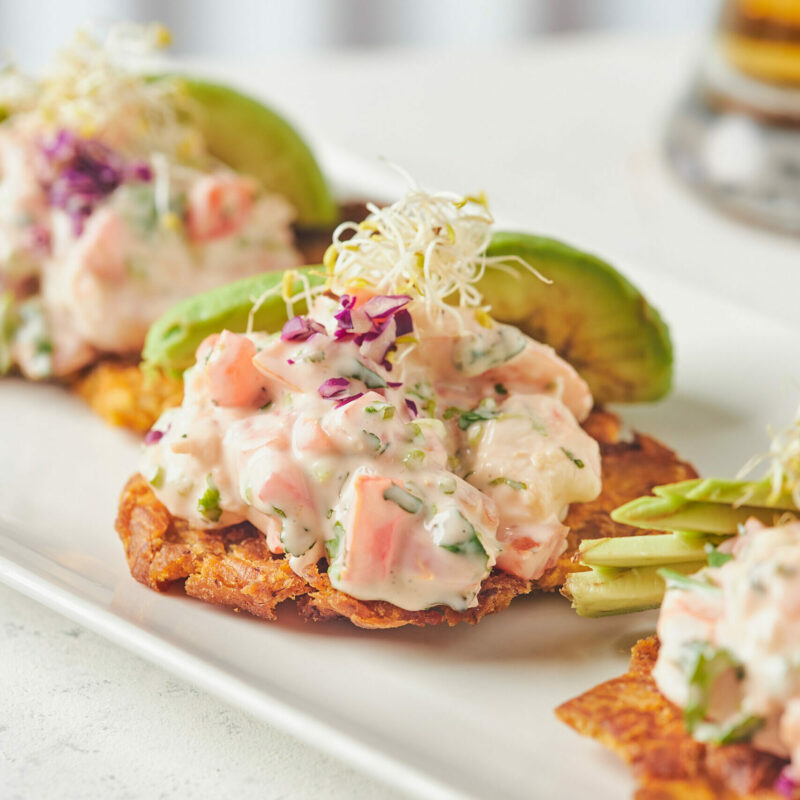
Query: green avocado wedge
(631,360)
(252,139)
(173,339)
(593,316)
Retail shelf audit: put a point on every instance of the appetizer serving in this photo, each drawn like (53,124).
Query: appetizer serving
(121,193)
(711,708)
(393,454)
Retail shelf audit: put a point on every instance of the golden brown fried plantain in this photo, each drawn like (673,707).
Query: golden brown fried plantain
(233,566)
(631,717)
(125,396)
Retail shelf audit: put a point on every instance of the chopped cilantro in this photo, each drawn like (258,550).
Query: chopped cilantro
(518,485)
(157,481)
(715,558)
(381,408)
(573,458)
(414,458)
(368,377)
(407,501)
(208,504)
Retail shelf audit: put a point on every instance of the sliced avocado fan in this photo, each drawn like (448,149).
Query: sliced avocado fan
(628,574)
(252,139)
(590,314)
(593,316)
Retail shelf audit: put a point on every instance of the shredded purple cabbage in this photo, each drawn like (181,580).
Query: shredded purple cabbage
(786,785)
(333,387)
(345,400)
(384,305)
(388,320)
(83,172)
(298,329)
(344,317)
(152,436)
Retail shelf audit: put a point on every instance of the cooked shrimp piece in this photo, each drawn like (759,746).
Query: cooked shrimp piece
(219,205)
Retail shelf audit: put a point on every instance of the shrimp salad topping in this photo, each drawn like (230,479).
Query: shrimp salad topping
(412,471)
(396,433)
(730,643)
(112,209)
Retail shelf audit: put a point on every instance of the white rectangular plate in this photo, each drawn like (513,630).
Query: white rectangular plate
(440,712)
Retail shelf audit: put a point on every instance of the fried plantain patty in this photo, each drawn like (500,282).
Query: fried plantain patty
(233,566)
(123,395)
(631,717)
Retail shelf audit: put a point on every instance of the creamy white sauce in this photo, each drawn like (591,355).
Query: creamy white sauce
(404,507)
(755,617)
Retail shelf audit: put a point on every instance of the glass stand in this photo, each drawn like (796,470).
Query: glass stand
(737,142)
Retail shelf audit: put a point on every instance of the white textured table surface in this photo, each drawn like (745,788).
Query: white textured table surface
(564,137)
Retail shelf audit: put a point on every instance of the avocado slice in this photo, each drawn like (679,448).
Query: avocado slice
(588,298)
(601,593)
(252,139)
(593,316)
(642,551)
(173,339)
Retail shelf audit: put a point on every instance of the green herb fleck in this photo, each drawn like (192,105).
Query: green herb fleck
(573,458)
(414,458)
(334,545)
(407,501)
(279,511)
(381,408)
(208,504)
(715,557)
(368,377)
(500,389)
(740,727)
(479,414)
(518,485)
(375,442)
(448,486)
(157,481)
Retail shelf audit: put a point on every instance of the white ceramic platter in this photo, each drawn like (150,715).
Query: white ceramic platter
(442,712)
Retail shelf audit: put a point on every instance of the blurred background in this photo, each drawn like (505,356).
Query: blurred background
(249,28)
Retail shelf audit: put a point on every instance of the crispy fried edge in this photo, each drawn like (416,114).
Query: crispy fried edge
(631,717)
(214,564)
(123,395)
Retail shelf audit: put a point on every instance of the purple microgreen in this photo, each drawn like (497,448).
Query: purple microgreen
(411,406)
